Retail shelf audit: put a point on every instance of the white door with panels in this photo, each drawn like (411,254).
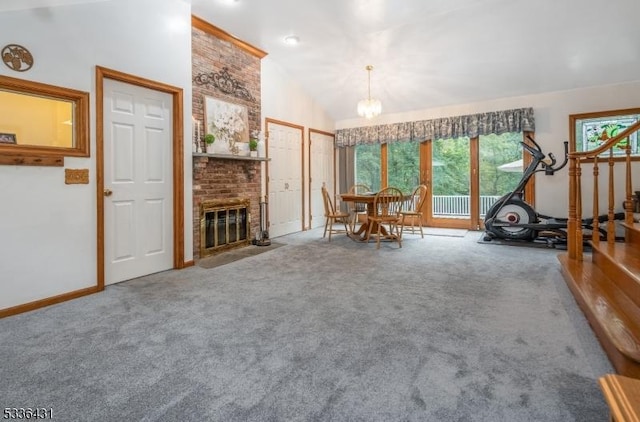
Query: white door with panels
(321,153)
(285,179)
(138,181)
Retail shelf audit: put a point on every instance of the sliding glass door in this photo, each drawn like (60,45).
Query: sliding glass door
(500,167)
(450,182)
(464,176)
(467,175)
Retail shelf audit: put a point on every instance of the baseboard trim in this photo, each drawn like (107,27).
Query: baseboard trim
(14,310)
(190,263)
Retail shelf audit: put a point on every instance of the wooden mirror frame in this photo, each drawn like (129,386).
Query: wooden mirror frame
(80,101)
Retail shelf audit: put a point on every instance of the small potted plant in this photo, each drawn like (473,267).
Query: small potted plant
(253,147)
(209,139)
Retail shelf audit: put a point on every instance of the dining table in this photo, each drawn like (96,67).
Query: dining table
(367,199)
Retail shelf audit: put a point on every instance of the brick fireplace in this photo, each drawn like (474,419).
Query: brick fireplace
(224,180)
(217,180)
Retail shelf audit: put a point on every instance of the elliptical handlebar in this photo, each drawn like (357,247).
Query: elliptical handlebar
(549,169)
(535,152)
(538,155)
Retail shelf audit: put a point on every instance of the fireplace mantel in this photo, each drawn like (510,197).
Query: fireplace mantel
(230,156)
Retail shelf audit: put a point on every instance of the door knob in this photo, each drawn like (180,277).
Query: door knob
(108,192)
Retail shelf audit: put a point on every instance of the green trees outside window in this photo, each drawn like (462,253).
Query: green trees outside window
(403,166)
(367,166)
(499,159)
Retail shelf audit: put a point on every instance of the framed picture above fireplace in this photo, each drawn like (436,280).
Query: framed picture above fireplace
(228,122)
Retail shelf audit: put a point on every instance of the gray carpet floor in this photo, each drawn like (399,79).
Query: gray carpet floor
(444,329)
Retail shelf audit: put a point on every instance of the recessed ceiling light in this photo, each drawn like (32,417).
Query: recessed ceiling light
(291,39)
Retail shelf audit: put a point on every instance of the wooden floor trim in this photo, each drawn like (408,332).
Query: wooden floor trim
(26,307)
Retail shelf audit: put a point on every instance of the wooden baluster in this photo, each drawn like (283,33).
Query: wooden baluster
(628,216)
(571,222)
(595,236)
(611,227)
(579,234)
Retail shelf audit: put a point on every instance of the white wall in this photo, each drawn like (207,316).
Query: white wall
(552,112)
(283,99)
(48,229)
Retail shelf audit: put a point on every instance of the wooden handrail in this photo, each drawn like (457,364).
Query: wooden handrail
(574,223)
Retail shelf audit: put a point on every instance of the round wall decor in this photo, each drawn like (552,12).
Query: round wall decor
(16,57)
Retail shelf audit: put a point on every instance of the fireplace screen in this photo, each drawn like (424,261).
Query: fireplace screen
(224,224)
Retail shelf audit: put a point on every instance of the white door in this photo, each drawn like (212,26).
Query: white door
(321,167)
(285,179)
(138,181)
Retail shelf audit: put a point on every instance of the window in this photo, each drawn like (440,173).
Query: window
(501,166)
(450,178)
(590,130)
(367,164)
(403,165)
(40,119)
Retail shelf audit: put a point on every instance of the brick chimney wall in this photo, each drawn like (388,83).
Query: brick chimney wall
(215,178)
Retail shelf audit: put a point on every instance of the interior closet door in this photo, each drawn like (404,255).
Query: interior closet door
(321,170)
(284,178)
(138,181)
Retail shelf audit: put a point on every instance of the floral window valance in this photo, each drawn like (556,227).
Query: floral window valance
(472,125)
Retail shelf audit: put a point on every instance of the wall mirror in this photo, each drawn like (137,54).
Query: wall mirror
(41,119)
(590,130)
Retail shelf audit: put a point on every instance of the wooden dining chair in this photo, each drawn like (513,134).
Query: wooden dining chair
(415,210)
(356,209)
(332,216)
(387,208)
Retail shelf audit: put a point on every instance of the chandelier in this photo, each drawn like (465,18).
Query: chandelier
(370,107)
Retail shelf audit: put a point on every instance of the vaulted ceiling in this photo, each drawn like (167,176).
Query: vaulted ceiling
(431,53)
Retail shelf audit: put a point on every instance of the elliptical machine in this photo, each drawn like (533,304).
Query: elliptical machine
(511,218)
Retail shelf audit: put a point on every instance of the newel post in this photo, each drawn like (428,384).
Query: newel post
(572,227)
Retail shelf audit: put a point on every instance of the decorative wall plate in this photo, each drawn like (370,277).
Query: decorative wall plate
(16,57)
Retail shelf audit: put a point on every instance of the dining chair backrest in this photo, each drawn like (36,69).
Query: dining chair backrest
(388,203)
(418,197)
(358,189)
(413,213)
(332,216)
(328,205)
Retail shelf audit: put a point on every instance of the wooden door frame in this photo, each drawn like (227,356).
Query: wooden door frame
(267,121)
(474,221)
(177,159)
(333,135)
(428,219)
(530,187)
(474,183)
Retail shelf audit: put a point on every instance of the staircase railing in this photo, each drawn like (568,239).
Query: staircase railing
(604,152)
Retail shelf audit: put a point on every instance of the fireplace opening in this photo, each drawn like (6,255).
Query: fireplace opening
(224,224)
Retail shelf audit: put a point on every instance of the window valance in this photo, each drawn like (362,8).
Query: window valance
(472,125)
